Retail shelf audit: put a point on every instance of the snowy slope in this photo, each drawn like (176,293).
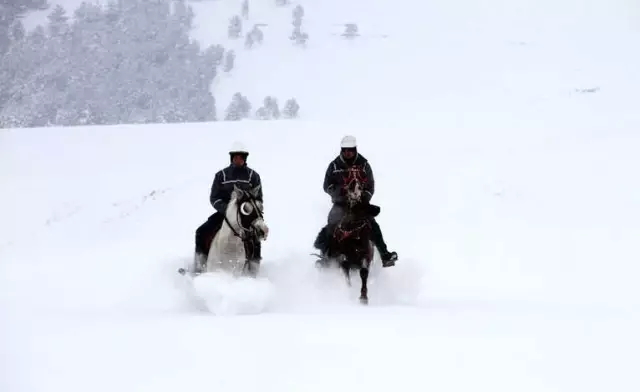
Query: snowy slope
(510,197)
(518,267)
(462,61)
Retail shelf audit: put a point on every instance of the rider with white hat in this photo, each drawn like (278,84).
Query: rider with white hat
(236,174)
(348,162)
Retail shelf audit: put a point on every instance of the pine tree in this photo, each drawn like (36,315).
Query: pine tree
(235,27)
(229,61)
(130,62)
(238,109)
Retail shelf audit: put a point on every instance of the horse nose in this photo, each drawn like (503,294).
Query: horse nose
(262,228)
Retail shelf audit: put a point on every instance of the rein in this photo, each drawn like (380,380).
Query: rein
(246,238)
(238,220)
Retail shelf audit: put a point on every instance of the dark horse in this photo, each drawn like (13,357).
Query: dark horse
(350,243)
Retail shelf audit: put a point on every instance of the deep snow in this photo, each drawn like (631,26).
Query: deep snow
(518,267)
(510,197)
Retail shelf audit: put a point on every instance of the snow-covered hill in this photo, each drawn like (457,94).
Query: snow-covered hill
(504,141)
(486,62)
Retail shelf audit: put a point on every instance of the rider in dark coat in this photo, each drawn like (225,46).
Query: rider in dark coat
(350,161)
(236,174)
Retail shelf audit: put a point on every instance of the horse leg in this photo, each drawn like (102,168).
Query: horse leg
(364,276)
(253,254)
(251,268)
(347,273)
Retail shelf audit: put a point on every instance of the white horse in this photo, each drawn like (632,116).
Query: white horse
(232,248)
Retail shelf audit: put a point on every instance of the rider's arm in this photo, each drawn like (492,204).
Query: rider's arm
(216,193)
(328,176)
(371,183)
(255,181)
(330,187)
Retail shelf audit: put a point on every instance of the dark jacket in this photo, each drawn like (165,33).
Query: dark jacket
(222,187)
(338,171)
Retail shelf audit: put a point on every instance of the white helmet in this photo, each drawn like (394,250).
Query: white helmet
(238,147)
(348,142)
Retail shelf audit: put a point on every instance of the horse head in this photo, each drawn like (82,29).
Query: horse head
(354,192)
(248,212)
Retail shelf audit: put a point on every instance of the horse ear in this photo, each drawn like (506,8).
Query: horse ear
(255,191)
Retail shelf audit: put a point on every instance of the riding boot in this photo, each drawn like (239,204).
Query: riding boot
(322,244)
(206,231)
(388,258)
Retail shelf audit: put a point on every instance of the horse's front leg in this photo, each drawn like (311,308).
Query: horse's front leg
(347,273)
(364,276)
(344,266)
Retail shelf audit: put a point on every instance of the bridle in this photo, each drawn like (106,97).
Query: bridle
(246,233)
(340,233)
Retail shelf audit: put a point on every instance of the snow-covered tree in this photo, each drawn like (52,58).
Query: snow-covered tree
(269,110)
(350,30)
(245,9)
(18,32)
(235,27)
(298,12)
(58,22)
(10,12)
(248,41)
(257,34)
(299,37)
(229,61)
(128,62)
(214,54)
(291,108)
(239,108)
(254,36)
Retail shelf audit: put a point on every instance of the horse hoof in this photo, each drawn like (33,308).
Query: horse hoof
(364,300)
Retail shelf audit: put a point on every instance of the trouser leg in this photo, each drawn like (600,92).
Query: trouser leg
(378,240)
(333,218)
(206,232)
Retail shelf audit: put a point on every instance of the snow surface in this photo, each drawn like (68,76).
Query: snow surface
(511,198)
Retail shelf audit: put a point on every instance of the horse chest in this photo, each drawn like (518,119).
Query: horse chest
(232,246)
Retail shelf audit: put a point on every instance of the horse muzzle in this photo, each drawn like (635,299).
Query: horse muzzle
(261,228)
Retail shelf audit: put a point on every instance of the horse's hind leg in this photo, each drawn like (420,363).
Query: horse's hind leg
(364,275)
